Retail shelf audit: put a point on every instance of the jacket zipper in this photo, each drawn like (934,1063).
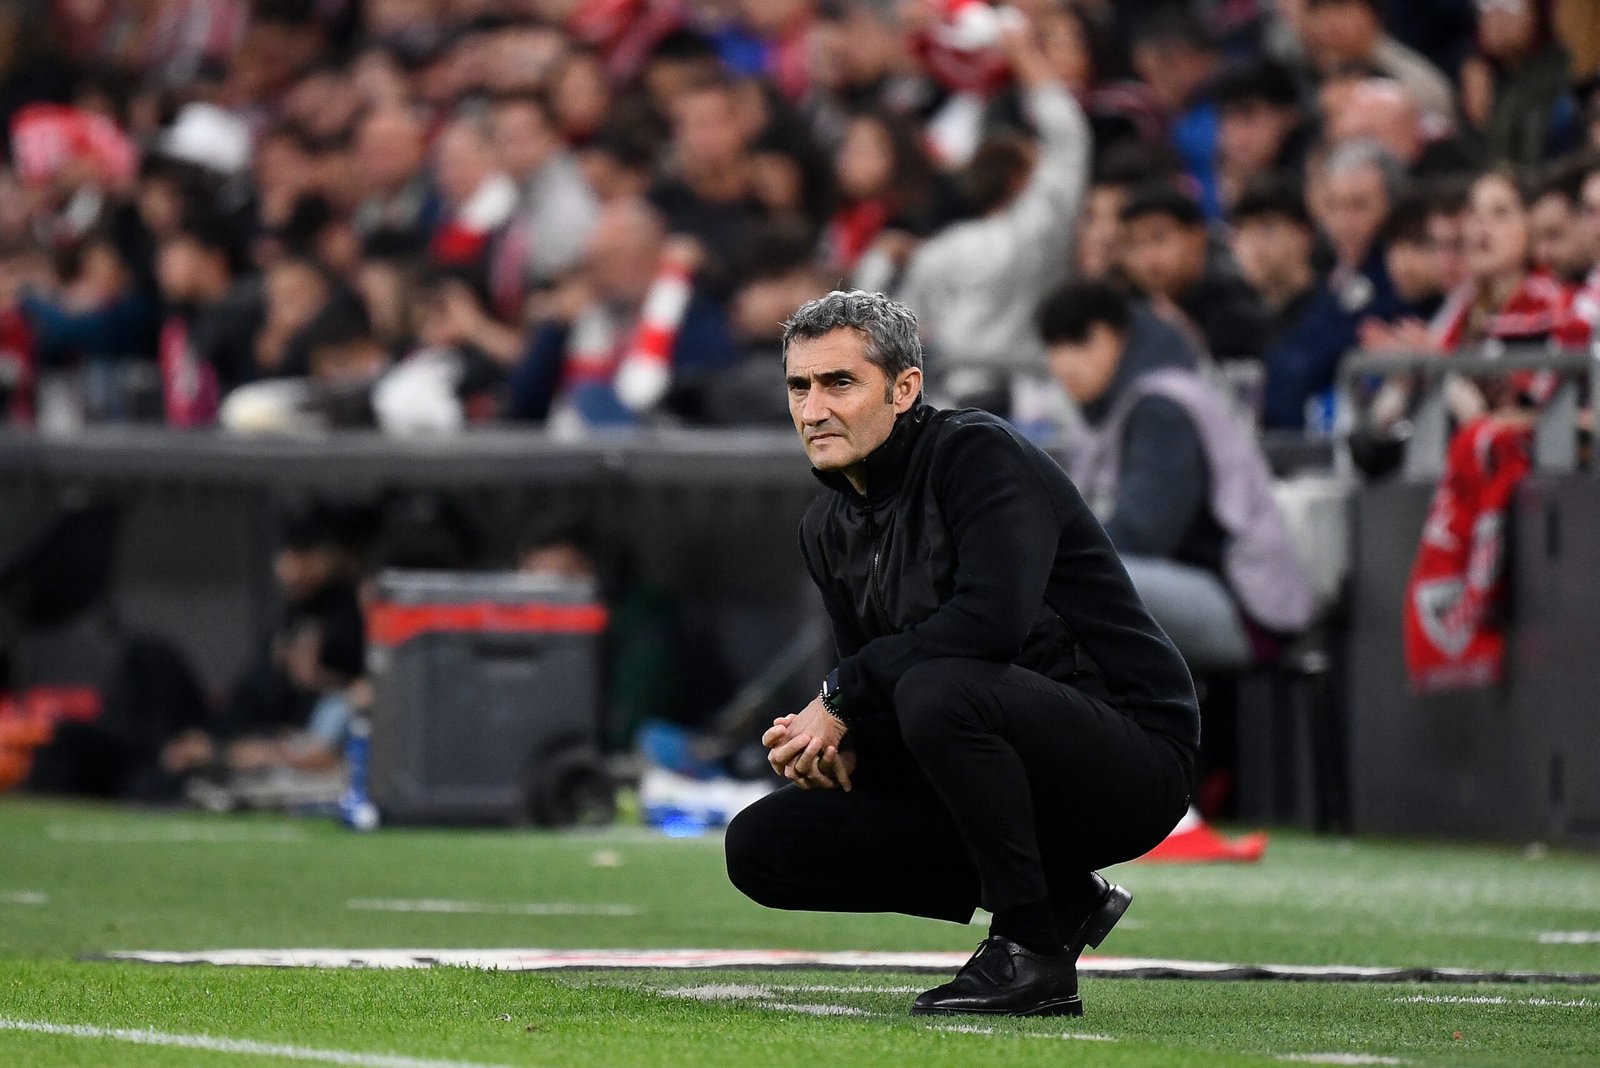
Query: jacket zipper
(874,596)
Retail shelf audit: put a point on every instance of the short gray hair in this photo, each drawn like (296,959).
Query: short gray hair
(889,326)
(1363,152)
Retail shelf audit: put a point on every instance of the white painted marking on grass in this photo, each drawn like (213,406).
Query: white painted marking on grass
(179,833)
(1494,999)
(813,1010)
(972,1029)
(718,992)
(24,897)
(233,1045)
(1341,1058)
(489,908)
(1569,938)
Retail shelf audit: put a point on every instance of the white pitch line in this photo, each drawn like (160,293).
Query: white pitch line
(1495,999)
(1569,938)
(973,1029)
(813,1010)
(489,908)
(1341,1058)
(24,897)
(241,1046)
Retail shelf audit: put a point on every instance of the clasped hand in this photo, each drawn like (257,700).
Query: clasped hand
(804,749)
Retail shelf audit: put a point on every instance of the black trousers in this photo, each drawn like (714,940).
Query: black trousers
(1004,788)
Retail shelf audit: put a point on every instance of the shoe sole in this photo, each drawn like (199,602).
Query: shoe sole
(1072,1006)
(1104,917)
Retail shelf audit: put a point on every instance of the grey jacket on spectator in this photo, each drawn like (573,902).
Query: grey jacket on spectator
(976,286)
(1258,559)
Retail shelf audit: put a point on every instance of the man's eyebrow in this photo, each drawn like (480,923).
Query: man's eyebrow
(827,378)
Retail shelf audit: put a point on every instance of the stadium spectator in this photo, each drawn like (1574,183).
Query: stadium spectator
(1180,485)
(277,712)
(1587,303)
(99,321)
(1408,255)
(1562,245)
(1174,54)
(1504,299)
(1517,91)
(1384,111)
(1272,239)
(1261,128)
(477,197)
(213,316)
(710,195)
(618,164)
(591,333)
(1097,251)
(886,186)
(1083,50)
(400,208)
(555,207)
(1169,260)
(1342,32)
(1359,183)
(295,289)
(1447,218)
(976,285)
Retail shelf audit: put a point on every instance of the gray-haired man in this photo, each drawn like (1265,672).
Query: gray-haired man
(1005,716)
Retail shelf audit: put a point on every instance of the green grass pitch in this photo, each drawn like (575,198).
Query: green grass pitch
(81,880)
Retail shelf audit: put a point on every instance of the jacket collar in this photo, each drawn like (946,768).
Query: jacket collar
(885,466)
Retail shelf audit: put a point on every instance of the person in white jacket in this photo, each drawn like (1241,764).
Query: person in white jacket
(977,285)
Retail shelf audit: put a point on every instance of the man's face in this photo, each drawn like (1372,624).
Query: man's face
(842,404)
(1340,33)
(1251,134)
(1414,270)
(1099,243)
(1562,244)
(1164,256)
(1085,368)
(1354,203)
(523,140)
(1270,248)
(707,129)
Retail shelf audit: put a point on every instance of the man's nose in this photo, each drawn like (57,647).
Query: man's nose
(815,408)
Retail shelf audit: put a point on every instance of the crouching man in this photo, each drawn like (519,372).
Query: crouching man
(1005,716)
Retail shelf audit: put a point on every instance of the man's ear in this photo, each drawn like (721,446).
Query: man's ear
(907,388)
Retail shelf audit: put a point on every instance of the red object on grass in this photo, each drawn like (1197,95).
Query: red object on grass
(1193,841)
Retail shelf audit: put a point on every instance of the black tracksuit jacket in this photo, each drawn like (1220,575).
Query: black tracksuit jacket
(972,542)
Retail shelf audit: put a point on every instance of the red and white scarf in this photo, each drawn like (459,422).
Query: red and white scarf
(1454,631)
(635,358)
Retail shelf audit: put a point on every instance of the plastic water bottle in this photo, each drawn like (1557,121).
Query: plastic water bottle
(356,809)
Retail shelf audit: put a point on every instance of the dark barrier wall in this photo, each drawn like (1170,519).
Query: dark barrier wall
(1518,762)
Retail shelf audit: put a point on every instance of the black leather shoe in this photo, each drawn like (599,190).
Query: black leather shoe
(1113,902)
(1004,979)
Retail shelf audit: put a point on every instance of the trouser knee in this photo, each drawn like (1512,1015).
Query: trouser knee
(933,702)
(755,862)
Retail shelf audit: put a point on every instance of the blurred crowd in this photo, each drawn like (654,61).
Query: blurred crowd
(429,214)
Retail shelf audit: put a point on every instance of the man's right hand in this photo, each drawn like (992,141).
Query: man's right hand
(830,769)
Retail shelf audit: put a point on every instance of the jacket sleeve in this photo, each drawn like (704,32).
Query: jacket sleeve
(1005,529)
(1049,203)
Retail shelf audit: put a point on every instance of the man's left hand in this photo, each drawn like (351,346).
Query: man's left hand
(798,745)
